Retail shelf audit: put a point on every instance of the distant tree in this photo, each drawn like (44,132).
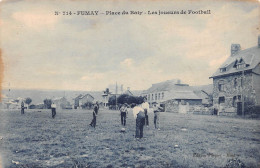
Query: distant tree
(87,105)
(139,100)
(47,103)
(122,99)
(112,100)
(28,101)
(125,98)
(107,91)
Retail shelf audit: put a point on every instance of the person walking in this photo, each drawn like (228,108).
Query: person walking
(157,109)
(145,106)
(22,107)
(139,116)
(123,111)
(53,109)
(95,113)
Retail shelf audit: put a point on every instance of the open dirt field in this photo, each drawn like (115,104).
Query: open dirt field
(37,140)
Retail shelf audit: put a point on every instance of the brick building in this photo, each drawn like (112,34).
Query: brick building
(236,84)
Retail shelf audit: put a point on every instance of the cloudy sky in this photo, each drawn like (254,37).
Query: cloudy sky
(41,50)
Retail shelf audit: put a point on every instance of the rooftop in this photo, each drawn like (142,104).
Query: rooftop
(249,58)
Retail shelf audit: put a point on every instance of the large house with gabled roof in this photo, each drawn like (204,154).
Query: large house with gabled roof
(236,84)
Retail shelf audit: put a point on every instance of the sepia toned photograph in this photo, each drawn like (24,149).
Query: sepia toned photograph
(129,84)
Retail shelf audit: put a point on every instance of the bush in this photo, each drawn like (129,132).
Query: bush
(254,111)
(32,106)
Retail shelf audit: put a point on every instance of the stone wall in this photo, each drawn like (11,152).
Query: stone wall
(172,106)
(192,105)
(230,90)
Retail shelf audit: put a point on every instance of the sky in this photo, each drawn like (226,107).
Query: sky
(41,50)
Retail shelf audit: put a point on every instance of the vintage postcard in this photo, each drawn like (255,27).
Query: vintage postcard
(133,84)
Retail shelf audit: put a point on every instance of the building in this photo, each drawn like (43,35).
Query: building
(61,103)
(205,93)
(76,101)
(107,94)
(86,100)
(236,83)
(83,100)
(173,95)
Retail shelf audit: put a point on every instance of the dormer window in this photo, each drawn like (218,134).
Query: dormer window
(240,65)
(223,69)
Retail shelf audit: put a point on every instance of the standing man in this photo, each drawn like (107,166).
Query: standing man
(22,107)
(157,109)
(139,116)
(95,112)
(123,111)
(53,110)
(145,106)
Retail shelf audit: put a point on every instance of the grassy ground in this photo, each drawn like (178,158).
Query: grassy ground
(37,140)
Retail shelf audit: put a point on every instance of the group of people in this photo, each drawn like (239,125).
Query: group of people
(53,109)
(140,113)
(141,116)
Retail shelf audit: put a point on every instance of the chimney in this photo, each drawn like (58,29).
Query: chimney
(259,41)
(235,48)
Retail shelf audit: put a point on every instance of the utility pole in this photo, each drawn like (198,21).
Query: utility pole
(242,96)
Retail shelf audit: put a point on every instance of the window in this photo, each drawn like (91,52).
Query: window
(223,69)
(221,100)
(159,96)
(239,97)
(149,97)
(241,82)
(162,95)
(152,96)
(241,65)
(234,103)
(235,83)
(155,96)
(221,86)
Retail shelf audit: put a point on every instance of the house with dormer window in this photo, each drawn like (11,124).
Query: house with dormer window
(237,81)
